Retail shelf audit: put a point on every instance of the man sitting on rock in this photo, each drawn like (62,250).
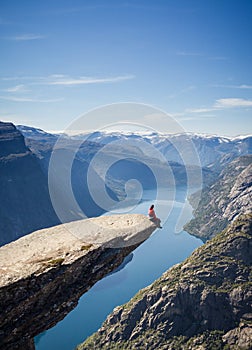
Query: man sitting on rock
(153,217)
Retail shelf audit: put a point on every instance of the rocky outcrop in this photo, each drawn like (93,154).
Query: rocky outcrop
(229,197)
(202,303)
(43,274)
(11,140)
(25,204)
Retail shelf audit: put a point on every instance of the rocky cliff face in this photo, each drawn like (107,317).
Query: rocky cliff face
(227,198)
(11,140)
(202,303)
(43,274)
(25,203)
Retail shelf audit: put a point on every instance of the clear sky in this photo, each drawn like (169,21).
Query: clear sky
(191,58)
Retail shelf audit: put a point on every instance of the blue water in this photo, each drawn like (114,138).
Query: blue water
(161,251)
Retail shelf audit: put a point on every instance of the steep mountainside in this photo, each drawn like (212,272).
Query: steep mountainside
(202,303)
(227,198)
(25,202)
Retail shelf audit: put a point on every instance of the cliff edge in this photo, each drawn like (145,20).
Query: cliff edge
(43,274)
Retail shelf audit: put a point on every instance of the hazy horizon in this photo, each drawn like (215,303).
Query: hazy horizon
(136,132)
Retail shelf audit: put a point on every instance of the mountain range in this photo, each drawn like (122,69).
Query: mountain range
(210,148)
(25,154)
(131,152)
(201,303)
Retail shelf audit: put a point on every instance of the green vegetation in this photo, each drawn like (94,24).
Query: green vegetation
(156,339)
(54,262)
(86,246)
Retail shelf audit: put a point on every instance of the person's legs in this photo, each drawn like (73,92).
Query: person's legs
(158,223)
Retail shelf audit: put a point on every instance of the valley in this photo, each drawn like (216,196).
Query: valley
(158,164)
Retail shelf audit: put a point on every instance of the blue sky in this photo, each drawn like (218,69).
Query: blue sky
(192,59)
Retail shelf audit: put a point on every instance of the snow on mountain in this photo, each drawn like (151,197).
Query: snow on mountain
(210,148)
(36,135)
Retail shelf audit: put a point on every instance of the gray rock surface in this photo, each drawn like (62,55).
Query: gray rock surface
(203,303)
(43,274)
(240,196)
(227,198)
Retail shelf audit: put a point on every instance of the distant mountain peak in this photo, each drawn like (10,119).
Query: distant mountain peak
(11,140)
(140,133)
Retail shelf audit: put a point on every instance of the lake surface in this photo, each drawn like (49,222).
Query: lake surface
(161,251)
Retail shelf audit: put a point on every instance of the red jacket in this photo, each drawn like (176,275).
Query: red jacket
(152,214)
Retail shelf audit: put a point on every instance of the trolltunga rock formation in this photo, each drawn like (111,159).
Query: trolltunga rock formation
(43,274)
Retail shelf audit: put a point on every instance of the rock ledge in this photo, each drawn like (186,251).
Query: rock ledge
(43,274)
